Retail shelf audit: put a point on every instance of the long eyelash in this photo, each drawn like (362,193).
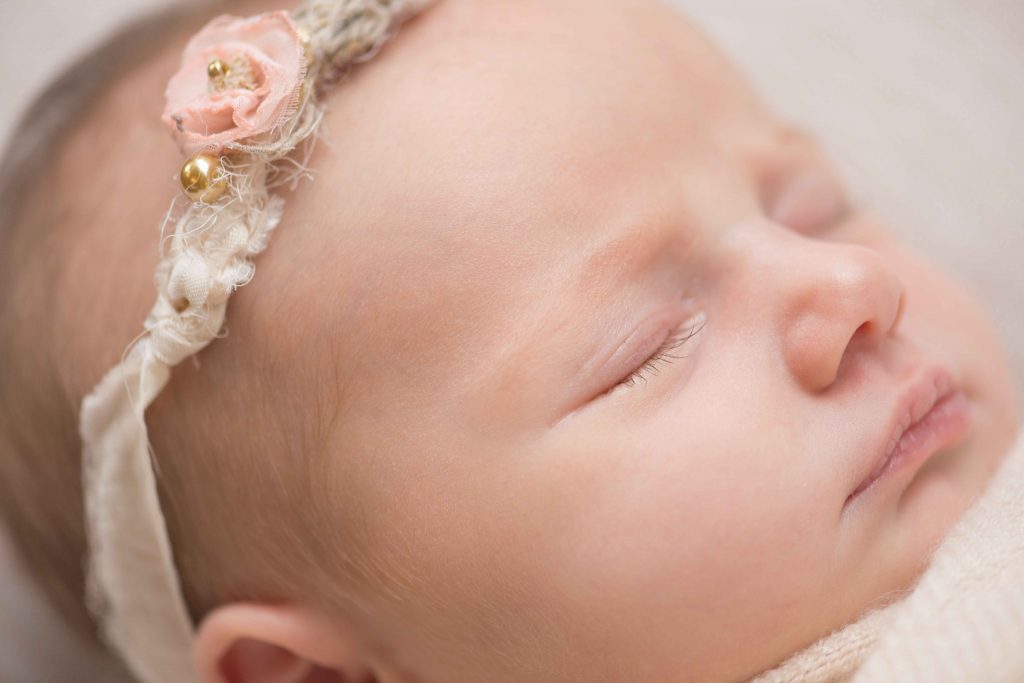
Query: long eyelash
(664,356)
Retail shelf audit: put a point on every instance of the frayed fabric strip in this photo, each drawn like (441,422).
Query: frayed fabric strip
(133,585)
(133,588)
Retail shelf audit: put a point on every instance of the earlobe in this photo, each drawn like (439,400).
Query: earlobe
(270,643)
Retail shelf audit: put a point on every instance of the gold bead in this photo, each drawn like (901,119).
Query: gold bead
(202,179)
(216,70)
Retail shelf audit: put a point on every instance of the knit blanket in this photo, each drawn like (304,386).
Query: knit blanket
(964,620)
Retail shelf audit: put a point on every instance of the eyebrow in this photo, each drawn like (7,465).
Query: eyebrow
(623,258)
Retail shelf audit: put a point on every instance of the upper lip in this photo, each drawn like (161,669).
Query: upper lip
(927,389)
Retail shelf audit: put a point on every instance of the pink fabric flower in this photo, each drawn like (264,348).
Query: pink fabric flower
(267,64)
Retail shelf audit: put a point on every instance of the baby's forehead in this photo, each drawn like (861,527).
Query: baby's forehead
(472,171)
(497,123)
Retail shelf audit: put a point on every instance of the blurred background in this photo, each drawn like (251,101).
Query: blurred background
(921,103)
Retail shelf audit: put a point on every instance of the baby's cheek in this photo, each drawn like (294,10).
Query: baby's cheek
(695,536)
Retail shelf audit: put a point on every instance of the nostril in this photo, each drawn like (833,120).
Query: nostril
(867,334)
(859,341)
(901,307)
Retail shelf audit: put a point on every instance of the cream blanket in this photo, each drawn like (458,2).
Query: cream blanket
(964,622)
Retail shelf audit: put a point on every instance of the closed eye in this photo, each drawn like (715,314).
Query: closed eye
(811,203)
(666,354)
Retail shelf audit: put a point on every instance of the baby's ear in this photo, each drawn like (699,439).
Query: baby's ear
(271,643)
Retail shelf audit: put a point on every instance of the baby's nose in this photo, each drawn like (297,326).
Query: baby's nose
(826,301)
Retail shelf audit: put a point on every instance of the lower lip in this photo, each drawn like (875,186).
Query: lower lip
(947,422)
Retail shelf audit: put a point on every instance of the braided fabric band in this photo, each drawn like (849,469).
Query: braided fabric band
(249,92)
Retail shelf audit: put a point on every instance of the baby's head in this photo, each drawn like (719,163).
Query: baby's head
(571,363)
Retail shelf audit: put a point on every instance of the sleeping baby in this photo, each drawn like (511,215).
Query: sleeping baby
(562,358)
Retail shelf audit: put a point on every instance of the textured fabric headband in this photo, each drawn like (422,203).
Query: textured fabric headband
(249,91)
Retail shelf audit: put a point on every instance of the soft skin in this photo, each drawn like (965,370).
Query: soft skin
(520,201)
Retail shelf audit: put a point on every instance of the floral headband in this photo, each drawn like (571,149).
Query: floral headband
(249,92)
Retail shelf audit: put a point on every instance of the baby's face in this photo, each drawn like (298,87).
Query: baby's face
(520,205)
